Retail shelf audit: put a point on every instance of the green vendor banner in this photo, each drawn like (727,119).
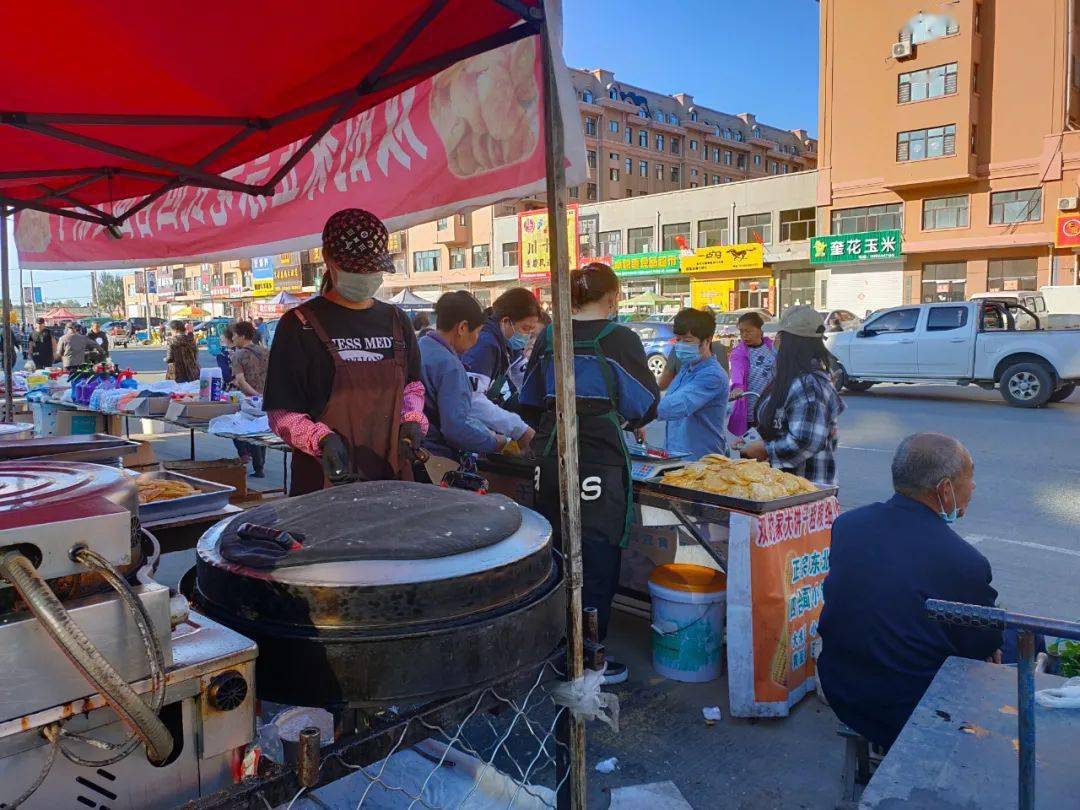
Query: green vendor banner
(856,247)
(666,262)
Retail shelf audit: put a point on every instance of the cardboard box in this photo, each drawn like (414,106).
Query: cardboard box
(145,455)
(229,471)
(148,406)
(79,423)
(199,411)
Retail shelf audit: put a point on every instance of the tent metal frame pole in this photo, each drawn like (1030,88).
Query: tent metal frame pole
(5,291)
(570,757)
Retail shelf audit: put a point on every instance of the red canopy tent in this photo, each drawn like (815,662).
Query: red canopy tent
(59,314)
(111,109)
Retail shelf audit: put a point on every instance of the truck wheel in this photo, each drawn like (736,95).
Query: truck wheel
(1027,385)
(838,376)
(857,385)
(1062,393)
(656,364)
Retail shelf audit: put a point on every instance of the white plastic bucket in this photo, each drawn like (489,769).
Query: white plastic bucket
(687,622)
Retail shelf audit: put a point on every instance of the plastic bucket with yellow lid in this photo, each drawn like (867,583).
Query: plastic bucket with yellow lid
(688,604)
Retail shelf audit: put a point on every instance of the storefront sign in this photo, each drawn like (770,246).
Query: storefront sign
(665,262)
(262,276)
(533,244)
(315,255)
(165,290)
(395,242)
(777,564)
(1068,230)
(856,247)
(749,256)
(262,287)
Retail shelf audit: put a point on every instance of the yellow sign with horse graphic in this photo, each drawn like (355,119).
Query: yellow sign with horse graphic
(749,256)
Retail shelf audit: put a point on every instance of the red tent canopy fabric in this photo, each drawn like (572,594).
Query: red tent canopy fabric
(105,101)
(60,314)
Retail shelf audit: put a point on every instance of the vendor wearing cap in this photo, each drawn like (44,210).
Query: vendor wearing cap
(798,412)
(343,385)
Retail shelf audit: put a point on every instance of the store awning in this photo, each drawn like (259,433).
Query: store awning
(202,132)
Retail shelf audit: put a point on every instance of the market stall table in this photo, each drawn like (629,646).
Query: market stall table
(959,748)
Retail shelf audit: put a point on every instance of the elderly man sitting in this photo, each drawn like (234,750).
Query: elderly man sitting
(879,649)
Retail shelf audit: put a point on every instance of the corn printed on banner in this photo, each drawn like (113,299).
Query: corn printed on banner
(469,136)
(777,564)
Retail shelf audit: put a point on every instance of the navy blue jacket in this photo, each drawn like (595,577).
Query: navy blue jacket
(452,425)
(491,355)
(879,649)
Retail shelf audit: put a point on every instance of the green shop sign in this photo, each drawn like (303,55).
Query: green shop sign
(664,263)
(855,247)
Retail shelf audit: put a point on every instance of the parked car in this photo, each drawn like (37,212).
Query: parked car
(835,320)
(658,338)
(965,342)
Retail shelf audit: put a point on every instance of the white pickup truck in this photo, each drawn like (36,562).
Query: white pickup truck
(965,342)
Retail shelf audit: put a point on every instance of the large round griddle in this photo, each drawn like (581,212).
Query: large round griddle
(408,621)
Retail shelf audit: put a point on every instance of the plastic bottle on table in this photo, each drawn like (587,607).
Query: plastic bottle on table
(210,384)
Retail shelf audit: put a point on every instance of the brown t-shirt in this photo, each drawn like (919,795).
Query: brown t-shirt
(251,361)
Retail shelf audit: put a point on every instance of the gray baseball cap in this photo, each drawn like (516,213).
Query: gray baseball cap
(802,321)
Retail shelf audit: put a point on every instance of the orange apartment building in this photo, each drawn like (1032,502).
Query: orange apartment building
(958,123)
(637,142)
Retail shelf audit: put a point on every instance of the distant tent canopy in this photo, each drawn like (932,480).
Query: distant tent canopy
(407,299)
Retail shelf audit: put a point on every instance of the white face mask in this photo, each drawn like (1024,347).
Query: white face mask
(357,286)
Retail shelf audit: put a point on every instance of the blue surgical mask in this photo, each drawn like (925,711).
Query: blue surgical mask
(687,353)
(951,516)
(518,341)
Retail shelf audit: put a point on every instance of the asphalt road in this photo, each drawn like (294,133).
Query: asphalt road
(1025,515)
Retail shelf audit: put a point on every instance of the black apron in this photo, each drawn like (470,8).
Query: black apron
(605,485)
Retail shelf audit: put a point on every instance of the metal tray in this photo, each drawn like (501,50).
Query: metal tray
(93,447)
(738,504)
(212,497)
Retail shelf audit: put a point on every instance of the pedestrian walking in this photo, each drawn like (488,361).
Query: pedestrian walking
(797,417)
(182,355)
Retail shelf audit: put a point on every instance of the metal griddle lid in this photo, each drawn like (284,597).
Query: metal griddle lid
(35,483)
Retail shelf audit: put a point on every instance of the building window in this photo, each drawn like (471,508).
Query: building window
(610,242)
(674,174)
(1011,274)
(711,232)
(693,172)
(693,115)
(922,144)
(693,185)
(943,282)
(613,155)
(509,254)
(755,228)
(629,164)
(587,97)
(659,143)
(590,125)
(693,145)
(573,192)
(932,82)
(1024,205)
(613,174)
(590,158)
(639,240)
(659,171)
(671,233)
(757,160)
(676,146)
(715,179)
(442,224)
(642,113)
(798,224)
(613,127)
(462,220)
(643,138)
(740,161)
(643,168)
(727,157)
(716,154)
(945,212)
(613,94)
(457,258)
(426,261)
(481,256)
(628,134)
(867,218)
(590,191)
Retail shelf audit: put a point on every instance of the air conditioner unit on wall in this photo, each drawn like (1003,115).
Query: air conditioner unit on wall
(902,49)
(1068,203)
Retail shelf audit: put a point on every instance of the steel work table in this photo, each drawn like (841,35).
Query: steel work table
(959,748)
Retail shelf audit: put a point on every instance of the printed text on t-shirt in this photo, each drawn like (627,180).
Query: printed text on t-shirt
(363,349)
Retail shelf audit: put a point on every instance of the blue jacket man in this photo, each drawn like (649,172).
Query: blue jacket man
(880,651)
(695,404)
(453,426)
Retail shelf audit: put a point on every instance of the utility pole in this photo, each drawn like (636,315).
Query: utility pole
(93,289)
(33,301)
(146,298)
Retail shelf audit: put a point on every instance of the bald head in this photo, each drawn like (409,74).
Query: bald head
(924,460)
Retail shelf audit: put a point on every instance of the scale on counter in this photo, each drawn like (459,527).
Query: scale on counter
(648,462)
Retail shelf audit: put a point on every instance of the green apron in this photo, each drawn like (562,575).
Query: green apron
(606,489)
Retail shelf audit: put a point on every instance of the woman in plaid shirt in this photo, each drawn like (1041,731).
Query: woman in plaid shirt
(798,413)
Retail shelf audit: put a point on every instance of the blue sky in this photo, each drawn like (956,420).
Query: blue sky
(759,56)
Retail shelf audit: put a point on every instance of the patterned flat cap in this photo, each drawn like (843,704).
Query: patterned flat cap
(356,240)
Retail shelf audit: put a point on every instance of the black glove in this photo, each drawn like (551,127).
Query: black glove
(410,432)
(335,459)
